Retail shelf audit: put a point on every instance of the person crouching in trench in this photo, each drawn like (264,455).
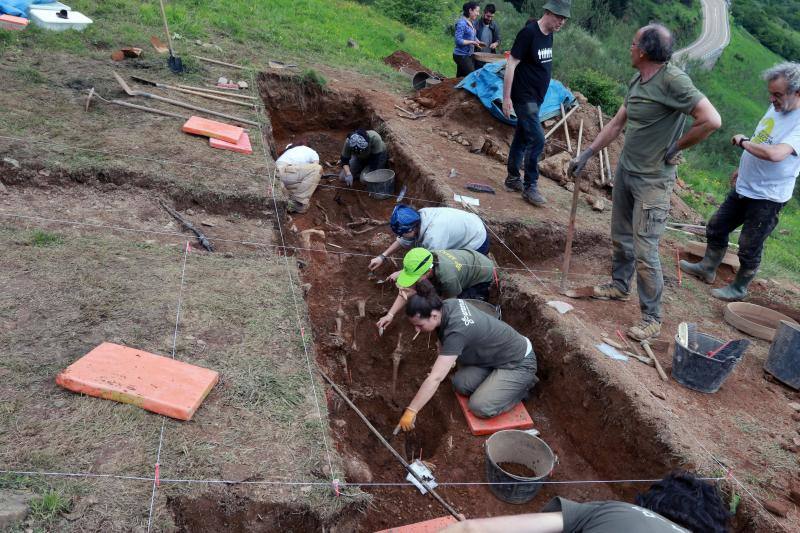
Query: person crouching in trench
(496,365)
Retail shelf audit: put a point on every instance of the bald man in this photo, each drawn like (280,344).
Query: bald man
(660,97)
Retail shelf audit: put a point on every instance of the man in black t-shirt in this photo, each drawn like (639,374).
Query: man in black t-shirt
(526,80)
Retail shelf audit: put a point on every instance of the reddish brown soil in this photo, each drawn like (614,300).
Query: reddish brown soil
(401,59)
(516,469)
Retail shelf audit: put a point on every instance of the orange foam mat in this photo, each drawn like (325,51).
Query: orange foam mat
(153,382)
(241,146)
(213,129)
(516,418)
(428,526)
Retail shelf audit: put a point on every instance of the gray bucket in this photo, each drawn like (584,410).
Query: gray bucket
(519,447)
(486,307)
(380,183)
(692,368)
(783,360)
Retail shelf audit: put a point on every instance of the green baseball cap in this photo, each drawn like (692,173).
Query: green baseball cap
(558,7)
(415,264)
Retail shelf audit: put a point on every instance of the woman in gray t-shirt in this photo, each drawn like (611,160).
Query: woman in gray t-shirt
(496,365)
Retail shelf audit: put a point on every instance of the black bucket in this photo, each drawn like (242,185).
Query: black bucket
(519,447)
(697,371)
(486,307)
(783,360)
(380,183)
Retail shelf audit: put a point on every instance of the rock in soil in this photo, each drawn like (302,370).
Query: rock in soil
(13,507)
(555,167)
(795,406)
(776,507)
(357,470)
(599,204)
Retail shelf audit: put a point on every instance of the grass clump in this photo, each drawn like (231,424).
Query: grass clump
(598,88)
(48,506)
(42,239)
(312,77)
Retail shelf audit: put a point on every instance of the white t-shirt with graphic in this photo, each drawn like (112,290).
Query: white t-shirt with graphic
(765,180)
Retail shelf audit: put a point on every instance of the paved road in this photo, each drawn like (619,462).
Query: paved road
(715,37)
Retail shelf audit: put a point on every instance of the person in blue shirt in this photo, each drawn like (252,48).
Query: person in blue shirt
(466,39)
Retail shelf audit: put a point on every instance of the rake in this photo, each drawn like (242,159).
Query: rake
(131,92)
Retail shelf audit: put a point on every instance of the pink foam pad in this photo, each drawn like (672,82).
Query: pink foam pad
(516,418)
(242,145)
(153,382)
(213,129)
(429,526)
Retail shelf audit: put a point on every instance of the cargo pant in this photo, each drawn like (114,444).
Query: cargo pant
(640,205)
(493,391)
(757,217)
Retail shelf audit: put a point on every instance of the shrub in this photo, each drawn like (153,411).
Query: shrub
(598,88)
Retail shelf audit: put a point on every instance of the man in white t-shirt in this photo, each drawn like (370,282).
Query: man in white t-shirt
(300,172)
(761,186)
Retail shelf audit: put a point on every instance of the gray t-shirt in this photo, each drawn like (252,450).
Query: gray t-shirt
(458,270)
(479,339)
(445,228)
(610,517)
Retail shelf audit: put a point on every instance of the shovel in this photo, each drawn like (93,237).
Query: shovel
(131,92)
(190,91)
(174,62)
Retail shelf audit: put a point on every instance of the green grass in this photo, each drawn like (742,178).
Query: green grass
(736,89)
(49,505)
(42,238)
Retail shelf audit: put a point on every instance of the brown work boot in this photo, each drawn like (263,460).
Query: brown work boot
(609,291)
(645,330)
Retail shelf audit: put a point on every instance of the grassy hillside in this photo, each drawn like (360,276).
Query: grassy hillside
(735,87)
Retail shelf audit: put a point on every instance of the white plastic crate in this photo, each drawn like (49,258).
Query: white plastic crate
(49,20)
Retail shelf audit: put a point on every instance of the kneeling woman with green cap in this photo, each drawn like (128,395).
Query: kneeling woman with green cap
(496,365)
(465,274)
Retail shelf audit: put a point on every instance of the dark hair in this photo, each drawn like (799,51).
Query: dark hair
(424,302)
(657,42)
(687,501)
(300,140)
(467,7)
(490,8)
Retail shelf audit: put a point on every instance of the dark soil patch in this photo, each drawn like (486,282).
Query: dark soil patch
(403,60)
(516,469)
(239,514)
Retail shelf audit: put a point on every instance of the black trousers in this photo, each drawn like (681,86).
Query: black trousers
(757,217)
(464,65)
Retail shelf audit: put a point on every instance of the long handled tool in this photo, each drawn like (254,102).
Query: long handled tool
(93,94)
(388,446)
(211,91)
(174,62)
(131,92)
(572,214)
(189,91)
(204,242)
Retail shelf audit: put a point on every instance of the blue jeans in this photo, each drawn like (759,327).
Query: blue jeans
(528,143)
(638,218)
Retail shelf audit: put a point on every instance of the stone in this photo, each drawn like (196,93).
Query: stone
(339,423)
(13,162)
(242,84)
(795,406)
(356,470)
(13,507)
(45,173)
(443,134)
(599,204)
(776,507)
(465,142)
(351,43)
(555,167)
(430,103)
(570,186)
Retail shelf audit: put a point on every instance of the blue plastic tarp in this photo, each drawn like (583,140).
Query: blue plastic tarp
(19,8)
(487,84)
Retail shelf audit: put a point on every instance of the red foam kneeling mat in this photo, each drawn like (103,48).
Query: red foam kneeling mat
(429,526)
(516,418)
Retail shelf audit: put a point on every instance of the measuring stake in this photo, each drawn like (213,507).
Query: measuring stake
(573,212)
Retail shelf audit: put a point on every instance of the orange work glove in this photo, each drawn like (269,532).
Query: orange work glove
(407,421)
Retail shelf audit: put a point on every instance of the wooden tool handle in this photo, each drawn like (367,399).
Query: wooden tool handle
(166,28)
(660,370)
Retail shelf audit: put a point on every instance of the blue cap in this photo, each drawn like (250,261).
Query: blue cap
(404,219)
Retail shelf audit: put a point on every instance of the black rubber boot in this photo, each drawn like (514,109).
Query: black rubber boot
(738,289)
(513,184)
(706,269)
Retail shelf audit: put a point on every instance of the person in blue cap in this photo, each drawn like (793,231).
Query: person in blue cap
(434,228)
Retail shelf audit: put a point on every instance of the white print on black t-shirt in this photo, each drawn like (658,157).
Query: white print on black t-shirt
(465,313)
(545,55)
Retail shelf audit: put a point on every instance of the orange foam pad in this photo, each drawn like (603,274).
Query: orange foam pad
(429,526)
(212,128)
(242,145)
(516,418)
(10,22)
(159,384)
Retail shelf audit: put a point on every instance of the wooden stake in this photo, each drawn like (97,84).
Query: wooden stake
(566,129)
(661,373)
(602,169)
(576,191)
(564,119)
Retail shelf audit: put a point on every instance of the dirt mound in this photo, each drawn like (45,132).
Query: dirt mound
(441,93)
(403,60)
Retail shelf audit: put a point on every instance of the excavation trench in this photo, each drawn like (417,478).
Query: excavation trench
(593,427)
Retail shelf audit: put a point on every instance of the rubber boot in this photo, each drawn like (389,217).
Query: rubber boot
(738,289)
(706,269)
